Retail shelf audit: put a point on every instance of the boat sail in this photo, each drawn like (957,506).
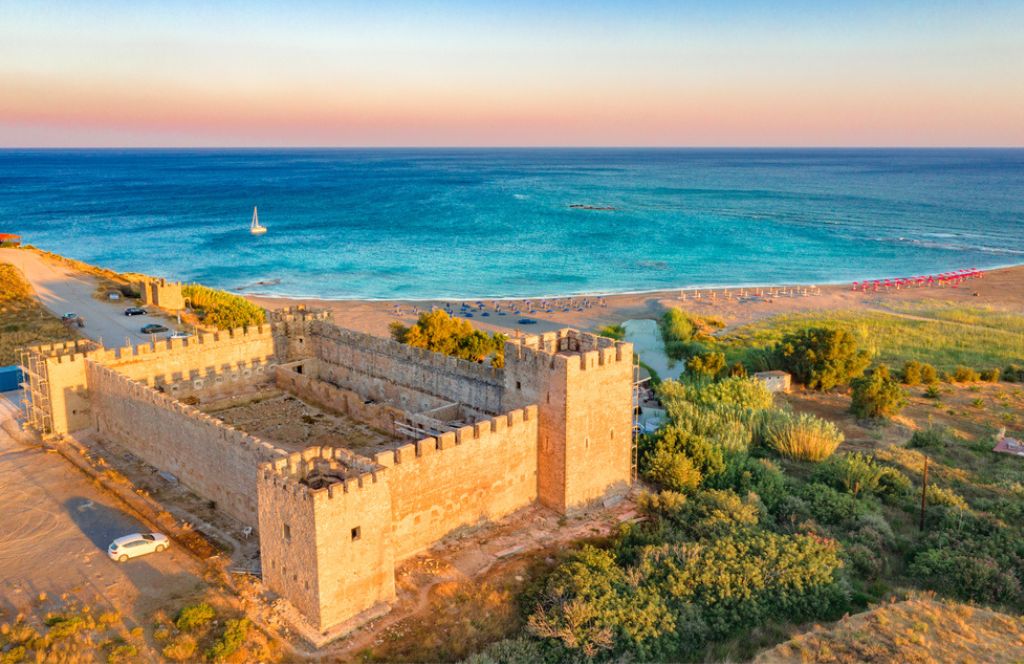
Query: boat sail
(255,227)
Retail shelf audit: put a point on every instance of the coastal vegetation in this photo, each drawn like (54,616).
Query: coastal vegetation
(437,331)
(221,309)
(685,334)
(23,321)
(758,518)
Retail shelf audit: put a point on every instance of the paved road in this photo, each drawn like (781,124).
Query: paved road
(61,290)
(55,528)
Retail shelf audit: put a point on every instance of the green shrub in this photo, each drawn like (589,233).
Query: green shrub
(976,577)
(676,598)
(746,393)
(672,469)
(990,375)
(933,437)
(181,648)
(617,331)
(683,333)
(1013,373)
(438,332)
(221,309)
(194,617)
(937,495)
(877,395)
(911,374)
(821,358)
(933,392)
(803,437)
(854,472)
(965,375)
(235,632)
(893,483)
(707,514)
(829,506)
(122,653)
(916,373)
(706,365)
(745,474)
(510,651)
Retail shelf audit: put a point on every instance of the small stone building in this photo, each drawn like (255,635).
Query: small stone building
(775,381)
(161,293)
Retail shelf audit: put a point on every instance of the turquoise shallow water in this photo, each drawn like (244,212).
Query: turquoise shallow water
(494,223)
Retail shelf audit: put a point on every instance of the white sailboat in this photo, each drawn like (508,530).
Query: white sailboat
(255,227)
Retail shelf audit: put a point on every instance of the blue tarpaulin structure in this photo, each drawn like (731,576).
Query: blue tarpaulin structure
(10,378)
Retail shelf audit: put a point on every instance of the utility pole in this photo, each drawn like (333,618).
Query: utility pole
(924,489)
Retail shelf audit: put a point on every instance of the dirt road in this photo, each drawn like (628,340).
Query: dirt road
(56,528)
(61,290)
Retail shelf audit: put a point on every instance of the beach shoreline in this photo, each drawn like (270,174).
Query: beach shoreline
(998,288)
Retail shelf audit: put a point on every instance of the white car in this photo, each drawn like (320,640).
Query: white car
(139,544)
(179,335)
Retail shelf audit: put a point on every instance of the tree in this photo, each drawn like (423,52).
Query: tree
(822,358)
(438,332)
(706,365)
(877,395)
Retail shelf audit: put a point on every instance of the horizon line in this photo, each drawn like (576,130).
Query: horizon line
(512,147)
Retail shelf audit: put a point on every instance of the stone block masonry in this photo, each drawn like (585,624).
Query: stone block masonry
(477,474)
(216,461)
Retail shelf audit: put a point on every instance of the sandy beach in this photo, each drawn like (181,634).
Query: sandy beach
(1000,289)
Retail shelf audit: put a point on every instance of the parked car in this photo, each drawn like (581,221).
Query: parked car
(153,328)
(179,335)
(69,319)
(134,311)
(137,544)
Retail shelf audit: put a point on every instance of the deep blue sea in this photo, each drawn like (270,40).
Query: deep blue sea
(425,223)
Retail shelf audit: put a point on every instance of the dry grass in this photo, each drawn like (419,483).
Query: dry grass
(23,321)
(918,630)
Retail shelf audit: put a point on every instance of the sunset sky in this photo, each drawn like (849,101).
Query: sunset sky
(715,73)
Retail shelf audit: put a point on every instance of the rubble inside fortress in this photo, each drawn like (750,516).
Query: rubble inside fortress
(325,460)
(294,425)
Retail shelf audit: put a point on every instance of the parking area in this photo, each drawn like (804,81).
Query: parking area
(56,528)
(62,290)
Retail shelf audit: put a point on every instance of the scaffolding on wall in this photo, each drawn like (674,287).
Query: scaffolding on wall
(636,417)
(36,384)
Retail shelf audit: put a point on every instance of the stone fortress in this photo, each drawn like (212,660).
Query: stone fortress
(462,443)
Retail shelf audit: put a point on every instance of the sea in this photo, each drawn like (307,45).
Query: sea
(490,223)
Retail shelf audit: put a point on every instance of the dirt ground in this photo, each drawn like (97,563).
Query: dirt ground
(920,630)
(55,531)
(295,425)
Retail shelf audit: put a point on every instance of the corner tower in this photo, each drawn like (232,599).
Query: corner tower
(583,387)
(325,535)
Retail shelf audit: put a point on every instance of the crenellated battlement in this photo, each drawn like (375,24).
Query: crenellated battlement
(560,348)
(67,348)
(299,313)
(322,473)
(480,433)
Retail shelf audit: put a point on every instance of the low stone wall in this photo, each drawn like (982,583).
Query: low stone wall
(214,460)
(476,474)
(380,416)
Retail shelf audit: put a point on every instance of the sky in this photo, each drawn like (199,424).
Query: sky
(527,73)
